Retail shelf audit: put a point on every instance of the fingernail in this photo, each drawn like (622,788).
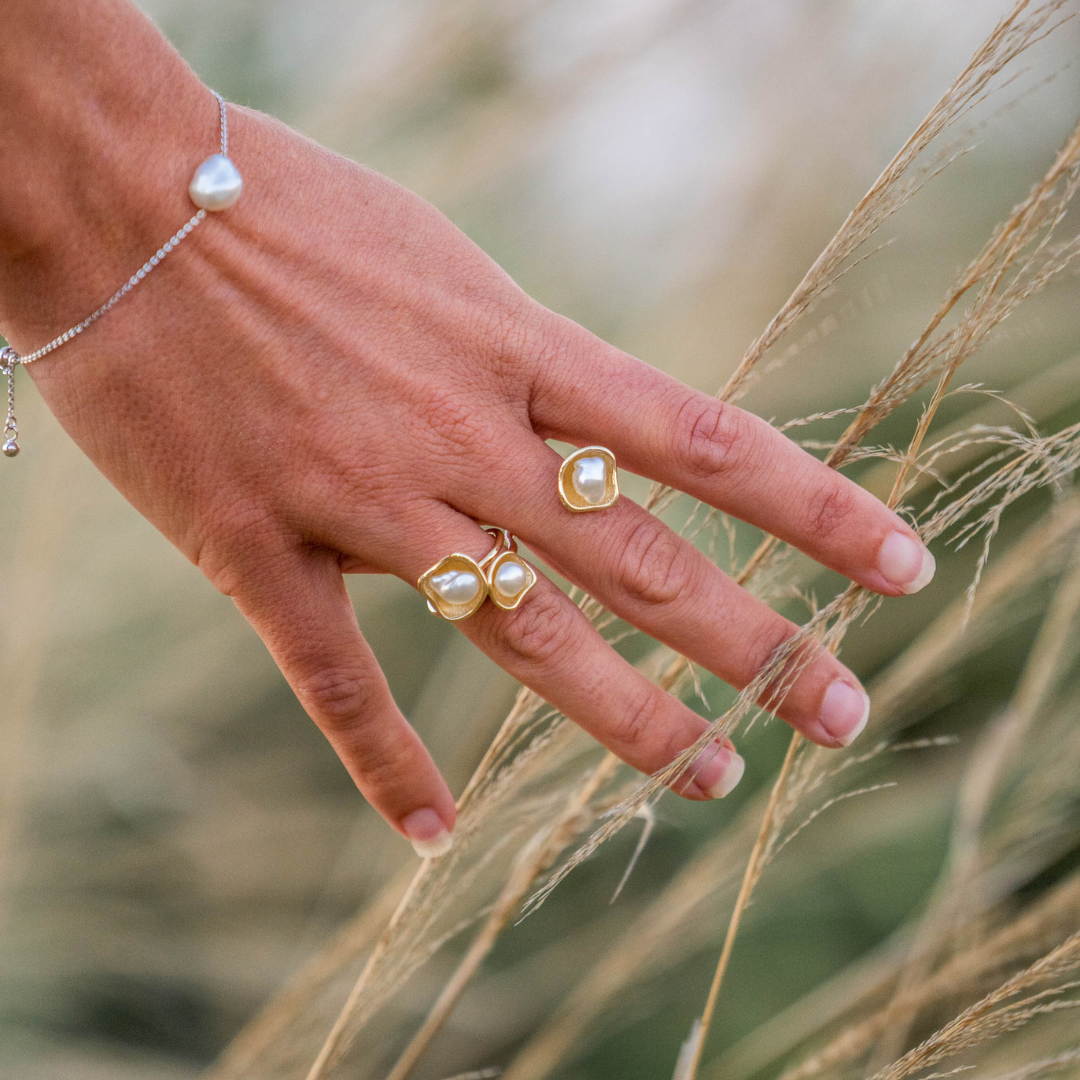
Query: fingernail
(717,771)
(905,563)
(427,833)
(844,711)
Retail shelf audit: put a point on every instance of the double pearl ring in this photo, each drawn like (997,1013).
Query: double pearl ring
(457,585)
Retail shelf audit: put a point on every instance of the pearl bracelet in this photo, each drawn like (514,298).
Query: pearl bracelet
(215,186)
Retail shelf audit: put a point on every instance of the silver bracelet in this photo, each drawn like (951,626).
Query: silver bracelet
(216,185)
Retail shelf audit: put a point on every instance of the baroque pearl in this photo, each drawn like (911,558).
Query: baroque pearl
(590,479)
(456,586)
(216,184)
(510,578)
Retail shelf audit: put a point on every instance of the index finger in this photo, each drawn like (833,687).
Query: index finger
(726,457)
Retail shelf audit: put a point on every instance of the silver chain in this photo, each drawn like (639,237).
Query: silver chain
(224,151)
(10,359)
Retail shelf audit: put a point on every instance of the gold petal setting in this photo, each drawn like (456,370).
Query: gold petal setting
(589,480)
(454,587)
(509,577)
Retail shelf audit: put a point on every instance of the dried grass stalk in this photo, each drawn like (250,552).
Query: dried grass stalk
(1051,916)
(997,1013)
(997,749)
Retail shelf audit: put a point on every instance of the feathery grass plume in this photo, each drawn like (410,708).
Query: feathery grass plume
(672,927)
(529,775)
(901,180)
(1040,926)
(1048,920)
(1017,262)
(531,861)
(1067,1060)
(411,936)
(974,879)
(998,1012)
(994,757)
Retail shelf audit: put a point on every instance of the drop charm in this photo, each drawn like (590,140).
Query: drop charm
(8,360)
(217,184)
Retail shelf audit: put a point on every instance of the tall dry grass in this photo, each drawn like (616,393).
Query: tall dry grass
(427,980)
(541,802)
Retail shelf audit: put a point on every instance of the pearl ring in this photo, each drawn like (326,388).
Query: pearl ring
(588,480)
(457,584)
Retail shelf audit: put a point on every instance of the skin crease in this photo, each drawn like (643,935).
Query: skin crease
(330,377)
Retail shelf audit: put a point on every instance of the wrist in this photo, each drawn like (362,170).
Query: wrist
(101,126)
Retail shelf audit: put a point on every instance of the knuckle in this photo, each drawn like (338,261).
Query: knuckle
(241,541)
(383,768)
(829,507)
(635,722)
(657,566)
(764,645)
(710,436)
(339,698)
(540,630)
(503,332)
(454,419)
(781,654)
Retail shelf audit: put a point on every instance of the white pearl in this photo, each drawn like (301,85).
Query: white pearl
(456,586)
(510,578)
(590,479)
(216,184)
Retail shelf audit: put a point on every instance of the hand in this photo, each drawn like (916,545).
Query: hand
(330,378)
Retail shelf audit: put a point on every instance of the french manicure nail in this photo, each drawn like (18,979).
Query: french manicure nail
(427,833)
(844,711)
(905,562)
(717,771)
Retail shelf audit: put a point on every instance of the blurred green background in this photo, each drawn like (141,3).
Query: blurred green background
(175,836)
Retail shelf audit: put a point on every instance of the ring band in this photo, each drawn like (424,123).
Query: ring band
(589,480)
(457,585)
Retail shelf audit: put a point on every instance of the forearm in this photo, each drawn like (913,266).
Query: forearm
(101,125)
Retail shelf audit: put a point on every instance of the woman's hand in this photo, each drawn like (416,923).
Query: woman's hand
(331,378)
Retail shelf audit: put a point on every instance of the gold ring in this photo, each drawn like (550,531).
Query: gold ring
(457,585)
(589,480)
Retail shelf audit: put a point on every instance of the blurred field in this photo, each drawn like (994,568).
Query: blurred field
(175,837)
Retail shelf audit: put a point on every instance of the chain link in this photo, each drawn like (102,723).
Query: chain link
(10,359)
(224,124)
